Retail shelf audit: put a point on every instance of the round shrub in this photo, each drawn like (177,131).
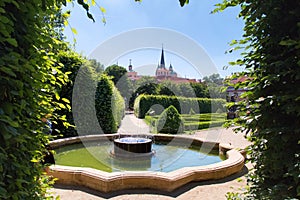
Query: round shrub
(169,121)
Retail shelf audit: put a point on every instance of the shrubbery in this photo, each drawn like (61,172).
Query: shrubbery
(118,106)
(204,105)
(30,36)
(109,105)
(83,100)
(72,63)
(272,123)
(169,121)
(202,125)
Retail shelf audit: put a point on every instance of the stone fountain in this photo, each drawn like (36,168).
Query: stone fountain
(132,147)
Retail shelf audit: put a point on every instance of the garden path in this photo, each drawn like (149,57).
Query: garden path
(132,125)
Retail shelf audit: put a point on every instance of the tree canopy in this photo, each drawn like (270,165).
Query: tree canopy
(116,72)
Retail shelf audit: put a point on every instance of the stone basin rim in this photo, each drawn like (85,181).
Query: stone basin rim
(164,181)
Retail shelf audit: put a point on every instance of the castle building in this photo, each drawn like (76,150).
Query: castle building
(162,72)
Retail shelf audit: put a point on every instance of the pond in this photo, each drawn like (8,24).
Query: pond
(165,157)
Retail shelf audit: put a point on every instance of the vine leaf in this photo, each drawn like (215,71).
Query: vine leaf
(12,41)
(102,9)
(74,31)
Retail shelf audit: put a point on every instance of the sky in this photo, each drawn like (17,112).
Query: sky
(193,24)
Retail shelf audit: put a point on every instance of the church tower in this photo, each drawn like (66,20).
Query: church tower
(132,75)
(162,59)
(161,70)
(130,66)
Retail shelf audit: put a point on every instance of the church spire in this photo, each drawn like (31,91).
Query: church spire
(162,59)
(130,66)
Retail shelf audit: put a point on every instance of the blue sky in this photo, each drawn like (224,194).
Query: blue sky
(212,32)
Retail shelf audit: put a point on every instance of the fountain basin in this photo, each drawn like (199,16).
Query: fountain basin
(166,181)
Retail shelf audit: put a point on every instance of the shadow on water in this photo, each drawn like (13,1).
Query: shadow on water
(173,194)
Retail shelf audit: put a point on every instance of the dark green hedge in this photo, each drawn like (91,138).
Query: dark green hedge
(200,105)
(109,105)
(202,125)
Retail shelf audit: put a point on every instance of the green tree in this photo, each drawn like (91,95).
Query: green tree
(147,88)
(116,72)
(271,56)
(215,86)
(121,80)
(214,78)
(186,90)
(200,90)
(83,99)
(145,85)
(169,88)
(99,68)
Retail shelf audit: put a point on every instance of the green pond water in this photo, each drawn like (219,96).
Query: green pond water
(166,158)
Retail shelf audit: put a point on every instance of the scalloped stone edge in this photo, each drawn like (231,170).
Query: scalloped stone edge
(165,181)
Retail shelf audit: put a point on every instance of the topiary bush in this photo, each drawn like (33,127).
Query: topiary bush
(169,121)
(118,106)
(83,100)
(109,105)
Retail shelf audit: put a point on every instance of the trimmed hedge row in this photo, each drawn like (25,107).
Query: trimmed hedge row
(199,105)
(109,105)
(204,117)
(188,123)
(202,125)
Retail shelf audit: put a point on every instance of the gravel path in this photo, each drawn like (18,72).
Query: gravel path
(207,190)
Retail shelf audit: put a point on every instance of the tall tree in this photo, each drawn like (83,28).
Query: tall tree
(200,89)
(186,90)
(120,79)
(145,85)
(169,88)
(116,72)
(214,78)
(271,56)
(99,68)
(214,84)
